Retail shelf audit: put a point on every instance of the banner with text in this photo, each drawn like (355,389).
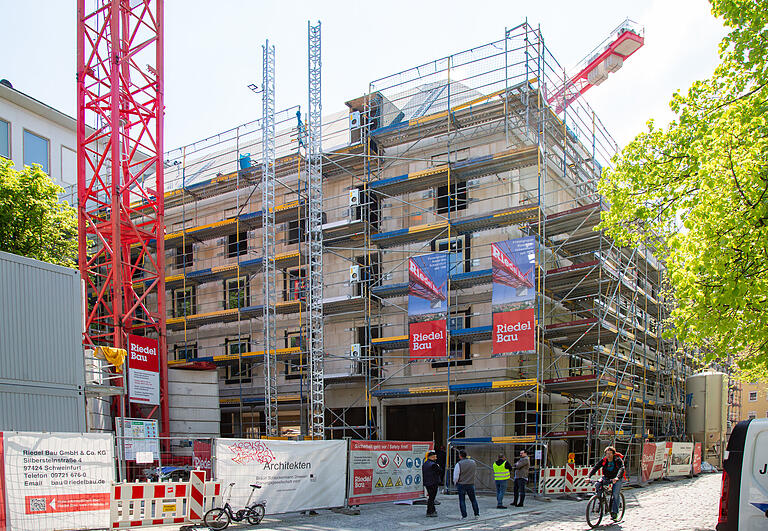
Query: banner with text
(514,295)
(653,461)
(143,370)
(428,306)
(57,480)
(679,458)
(294,475)
(385,470)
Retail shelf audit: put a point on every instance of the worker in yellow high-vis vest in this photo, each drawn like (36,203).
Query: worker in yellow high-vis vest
(501,474)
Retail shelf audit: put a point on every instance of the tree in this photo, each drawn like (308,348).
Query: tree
(33,222)
(696,192)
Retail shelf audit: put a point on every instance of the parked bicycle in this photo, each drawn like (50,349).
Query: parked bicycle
(220,517)
(600,504)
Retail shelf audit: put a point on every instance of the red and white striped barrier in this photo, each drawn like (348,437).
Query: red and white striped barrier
(566,479)
(147,504)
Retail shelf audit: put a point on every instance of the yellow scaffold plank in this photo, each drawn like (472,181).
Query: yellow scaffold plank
(506,384)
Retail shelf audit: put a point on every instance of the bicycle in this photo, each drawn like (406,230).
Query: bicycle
(600,504)
(220,517)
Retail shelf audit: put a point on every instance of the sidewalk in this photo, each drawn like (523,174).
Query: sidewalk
(388,516)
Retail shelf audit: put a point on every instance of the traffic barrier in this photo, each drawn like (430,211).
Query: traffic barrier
(148,504)
(555,480)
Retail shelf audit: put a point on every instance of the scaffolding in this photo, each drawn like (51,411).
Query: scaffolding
(448,157)
(268,242)
(315,232)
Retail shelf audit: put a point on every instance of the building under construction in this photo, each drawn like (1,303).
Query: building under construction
(288,243)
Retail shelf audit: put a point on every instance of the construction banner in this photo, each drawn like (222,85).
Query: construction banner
(143,370)
(428,306)
(385,470)
(57,480)
(514,296)
(679,459)
(696,469)
(294,475)
(652,462)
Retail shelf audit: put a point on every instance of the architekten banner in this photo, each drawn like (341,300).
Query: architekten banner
(514,295)
(57,480)
(143,370)
(428,306)
(294,475)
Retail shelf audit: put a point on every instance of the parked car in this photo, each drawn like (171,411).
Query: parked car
(744,492)
(168,473)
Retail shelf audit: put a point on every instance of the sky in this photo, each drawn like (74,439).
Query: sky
(214,50)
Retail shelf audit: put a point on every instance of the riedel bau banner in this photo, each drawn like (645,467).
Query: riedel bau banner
(294,475)
(143,370)
(428,306)
(514,295)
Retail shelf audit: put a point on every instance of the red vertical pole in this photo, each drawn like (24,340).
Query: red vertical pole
(121,224)
(160,51)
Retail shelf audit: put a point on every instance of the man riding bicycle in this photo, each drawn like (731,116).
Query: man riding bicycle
(613,473)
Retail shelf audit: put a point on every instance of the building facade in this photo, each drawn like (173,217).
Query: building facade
(450,157)
(32,132)
(754,400)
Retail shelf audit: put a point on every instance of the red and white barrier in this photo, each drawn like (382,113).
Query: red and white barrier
(148,504)
(566,479)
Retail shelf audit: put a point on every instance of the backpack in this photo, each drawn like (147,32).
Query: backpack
(617,454)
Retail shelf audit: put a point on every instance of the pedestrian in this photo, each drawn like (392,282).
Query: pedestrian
(613,473)
(501,473)
(521,478)
(464,479)
(441,455)
(432,474)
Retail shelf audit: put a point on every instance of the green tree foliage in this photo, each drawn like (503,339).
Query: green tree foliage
(33,222)
(697,193)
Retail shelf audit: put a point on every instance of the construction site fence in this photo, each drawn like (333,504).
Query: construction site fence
(72,480)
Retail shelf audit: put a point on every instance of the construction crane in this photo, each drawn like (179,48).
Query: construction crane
(120,186)
(606,58)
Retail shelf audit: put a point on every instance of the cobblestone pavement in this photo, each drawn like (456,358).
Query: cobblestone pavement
(682,505)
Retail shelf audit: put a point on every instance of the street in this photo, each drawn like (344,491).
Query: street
(682,505)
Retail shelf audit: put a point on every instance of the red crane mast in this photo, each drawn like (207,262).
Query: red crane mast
(120,177)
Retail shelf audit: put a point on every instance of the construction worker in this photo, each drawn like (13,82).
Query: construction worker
(501,474)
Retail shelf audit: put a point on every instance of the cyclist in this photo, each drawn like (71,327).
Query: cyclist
(613,473)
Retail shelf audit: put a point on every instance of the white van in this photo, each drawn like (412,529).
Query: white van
(744,494)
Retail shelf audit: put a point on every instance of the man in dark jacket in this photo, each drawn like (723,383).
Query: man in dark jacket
(613,473)
(432,475)
(522,466)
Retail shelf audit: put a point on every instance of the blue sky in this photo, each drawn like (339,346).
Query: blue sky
(213,51)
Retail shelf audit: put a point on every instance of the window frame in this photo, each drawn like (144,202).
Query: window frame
(47,169)
(752,394)
(184,259)
(242,237)
(192,298)
(61,169)
(184,347)
(228,292)
(10,139)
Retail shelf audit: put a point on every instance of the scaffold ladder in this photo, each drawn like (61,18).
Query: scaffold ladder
(268,241)
(315,233)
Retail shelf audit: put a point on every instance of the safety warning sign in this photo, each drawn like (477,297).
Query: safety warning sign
(385,470)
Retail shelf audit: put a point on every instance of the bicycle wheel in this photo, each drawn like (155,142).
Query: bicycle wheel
(216,518)
(594,511)
(256,515)
(622,507)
